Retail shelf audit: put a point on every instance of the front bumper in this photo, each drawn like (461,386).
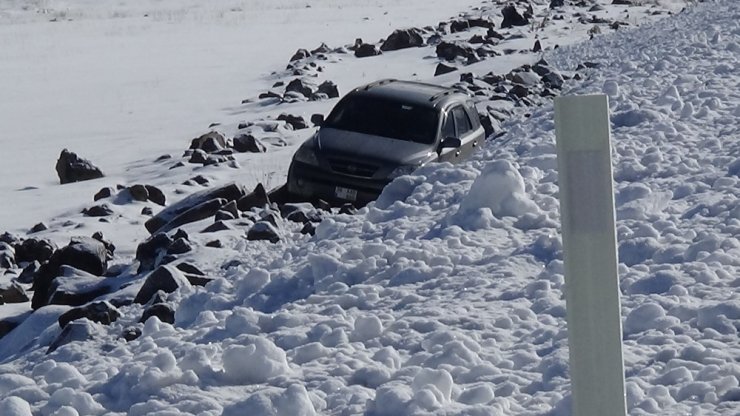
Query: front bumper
(313,183)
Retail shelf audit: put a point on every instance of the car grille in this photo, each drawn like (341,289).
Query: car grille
(349,167)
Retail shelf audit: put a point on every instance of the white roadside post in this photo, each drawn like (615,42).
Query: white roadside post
(590,254)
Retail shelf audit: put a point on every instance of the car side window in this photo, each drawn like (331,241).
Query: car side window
(462,121)
(448,128)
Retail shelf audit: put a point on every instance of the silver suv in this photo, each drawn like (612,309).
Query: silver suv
(379,132)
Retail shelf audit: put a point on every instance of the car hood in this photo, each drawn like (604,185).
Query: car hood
(372,147)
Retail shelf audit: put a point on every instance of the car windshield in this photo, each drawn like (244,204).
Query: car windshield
(386,118)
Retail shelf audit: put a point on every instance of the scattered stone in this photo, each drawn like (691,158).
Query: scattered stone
(163,158)
(72,168)
(74,331)
(150,252)
(103,193)
(323,48)
(556,3)
(210,142)
(100,312)
(248,143)
(156,195)
(12,292)
(554,80)
(256,199)
(72,287)
(452,50)
(162,311)
(190,269)
(444,69)
(263,230)
(197,202)
(300,54)
(512,17)
(308,228)
(200,180)
(147,211)
(102,210)
(132,333)
(266,95)
(222,215)
(519,91)
(317,120)
(537,46)
(214,244)
(329,88)
(487,123)
(295,122)
(525,78)
(198,157)
(299,86)
(402,39)
(279,195)
(139,193)
(34,249)
(348,209)
(28,272)
(38,228)
(367,49)
(164,278)
(179,246)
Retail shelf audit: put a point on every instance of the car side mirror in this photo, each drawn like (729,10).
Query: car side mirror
(317,120)
(450,142)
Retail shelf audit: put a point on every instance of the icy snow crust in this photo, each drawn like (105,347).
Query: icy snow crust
(446,295)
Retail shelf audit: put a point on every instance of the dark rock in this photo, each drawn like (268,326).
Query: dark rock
(34,249)
(270,94)
(214,244)
(525,78)
(222,215)
(163,158)
(487,123)
(150,252)
(329,88)
(165,278)
(209,142)
(519,91)
(279,195)
(295,122)
(348,208)
(12,292)
(38,228)
(177,165)
(199,212)
(190,269)
(139,193)
(477,39)
(308,228)
(28,272)
(317,119)
(451,50)
(198,157)
(300,54)
(156,195)
(322,205)
(556,3)
(301,87)
(263,230)
(83,253)
(323,48)
(444,69)
(256,199)
(102,210)
(624,2)
(72,287)
(110,248)
(200,180)
(537,46)
(74,331)
(231,208)
(132,333)
(554,80)
(100,312)
(162,311)
(72,168)
(9,238)
(103,193)
(367,49)
(147,211)
(512,17)
(402,39)
(7,325)
(492,34)
(180,233)
(231,192)
(179,246)
(248,143)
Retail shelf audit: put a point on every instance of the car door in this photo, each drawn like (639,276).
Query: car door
(465,132)
(448,154)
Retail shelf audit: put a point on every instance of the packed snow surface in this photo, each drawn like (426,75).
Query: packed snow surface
(445,296)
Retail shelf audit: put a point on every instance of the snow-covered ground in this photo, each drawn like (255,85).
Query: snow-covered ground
(443,297)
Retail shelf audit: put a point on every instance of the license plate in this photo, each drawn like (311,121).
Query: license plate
(345,193)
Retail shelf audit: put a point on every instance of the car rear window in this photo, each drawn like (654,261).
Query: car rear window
(386,118)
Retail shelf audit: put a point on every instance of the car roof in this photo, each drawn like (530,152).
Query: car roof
(412,92)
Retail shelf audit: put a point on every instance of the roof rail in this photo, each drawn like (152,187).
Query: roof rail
(452,90)
(377,83)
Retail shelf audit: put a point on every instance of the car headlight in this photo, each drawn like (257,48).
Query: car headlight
(306,154)
(403,170)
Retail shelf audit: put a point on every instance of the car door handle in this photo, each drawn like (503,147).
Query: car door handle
(457,153)
(475,143)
